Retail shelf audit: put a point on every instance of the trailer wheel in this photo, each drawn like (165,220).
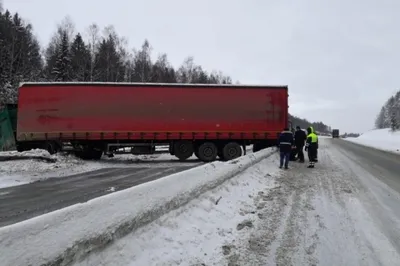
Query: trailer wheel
(50,147)
(208,152)
(232,150)
(183,149)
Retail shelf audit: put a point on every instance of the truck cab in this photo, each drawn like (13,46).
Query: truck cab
(335,133)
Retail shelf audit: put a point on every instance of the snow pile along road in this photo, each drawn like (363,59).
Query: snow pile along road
(84,228)
(38,153)
(30,166)
(383,139)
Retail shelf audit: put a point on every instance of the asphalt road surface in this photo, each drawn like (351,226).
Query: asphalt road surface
(381,164)
(26,201)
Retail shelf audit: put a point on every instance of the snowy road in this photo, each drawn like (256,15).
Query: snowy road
(26,201)
(346,211)
(337,214)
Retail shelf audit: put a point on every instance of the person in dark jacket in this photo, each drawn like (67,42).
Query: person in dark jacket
(286,142)
(311,146)
(300,140)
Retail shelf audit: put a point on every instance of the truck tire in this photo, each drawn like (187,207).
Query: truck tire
(50,147)
(208,152)
(232,150)
(183,149)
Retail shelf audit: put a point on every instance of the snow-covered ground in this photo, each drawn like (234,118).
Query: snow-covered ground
(94,224)
(383,139)
(208,230)
(340,213)
(18,172)
(331,215)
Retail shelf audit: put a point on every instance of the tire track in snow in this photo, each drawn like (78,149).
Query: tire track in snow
(315,217)
(282,213)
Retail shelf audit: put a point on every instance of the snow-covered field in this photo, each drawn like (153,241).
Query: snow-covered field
(383,139)
(18,172)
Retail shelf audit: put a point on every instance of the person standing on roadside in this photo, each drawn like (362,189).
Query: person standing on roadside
(300,140)
(316,151)
(311,146)
(286,142)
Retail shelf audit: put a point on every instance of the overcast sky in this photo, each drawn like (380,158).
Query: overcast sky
(340,58)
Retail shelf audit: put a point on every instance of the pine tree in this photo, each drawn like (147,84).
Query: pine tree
(393,122)
(80,60)
(162,71)
(389,110)
(109,66)
(380,119)
(142,64)
(19,55)
(62,66)
(389,115)
(202,77)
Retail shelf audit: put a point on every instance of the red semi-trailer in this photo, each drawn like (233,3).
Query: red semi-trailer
(100,118)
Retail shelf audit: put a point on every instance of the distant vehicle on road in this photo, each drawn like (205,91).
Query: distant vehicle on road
(335,133)
(204,120)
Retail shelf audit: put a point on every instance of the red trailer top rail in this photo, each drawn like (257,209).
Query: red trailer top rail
(149,84)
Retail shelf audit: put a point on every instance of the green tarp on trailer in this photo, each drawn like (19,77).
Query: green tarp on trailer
(8,127)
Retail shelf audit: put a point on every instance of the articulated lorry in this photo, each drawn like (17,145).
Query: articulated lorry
(335,133)
(207,121)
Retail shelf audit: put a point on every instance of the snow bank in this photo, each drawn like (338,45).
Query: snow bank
(71,233)
(383,139)
(32,153)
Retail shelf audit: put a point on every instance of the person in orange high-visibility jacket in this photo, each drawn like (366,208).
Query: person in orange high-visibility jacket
(311,146)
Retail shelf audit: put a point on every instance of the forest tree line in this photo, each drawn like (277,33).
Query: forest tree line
(389,115)
(99,55)
(304,123)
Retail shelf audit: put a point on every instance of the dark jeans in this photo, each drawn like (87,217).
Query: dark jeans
(285,157)
(300,154)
